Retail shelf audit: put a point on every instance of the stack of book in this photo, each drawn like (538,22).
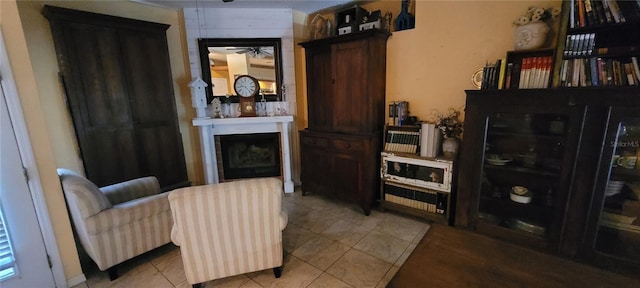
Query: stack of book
(596,71)
(493,75)
(534,72)
(577,45)
(525,73)
(586,13)
(402,139)
(425,200)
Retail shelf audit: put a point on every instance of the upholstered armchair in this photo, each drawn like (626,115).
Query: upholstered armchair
(229,228)
(117,222)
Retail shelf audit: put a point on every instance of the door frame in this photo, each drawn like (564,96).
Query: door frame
(28,160)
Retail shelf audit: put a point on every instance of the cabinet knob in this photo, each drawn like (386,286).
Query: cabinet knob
(347,145)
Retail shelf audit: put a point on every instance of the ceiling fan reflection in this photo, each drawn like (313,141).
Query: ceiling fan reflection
(255,52)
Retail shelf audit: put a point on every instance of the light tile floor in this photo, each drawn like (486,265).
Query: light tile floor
(327,244)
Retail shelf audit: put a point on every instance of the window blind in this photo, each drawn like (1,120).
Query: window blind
(7,260)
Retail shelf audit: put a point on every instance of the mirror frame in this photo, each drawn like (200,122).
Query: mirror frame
(205,43)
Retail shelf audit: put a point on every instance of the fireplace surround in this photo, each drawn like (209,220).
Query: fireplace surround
(211,127)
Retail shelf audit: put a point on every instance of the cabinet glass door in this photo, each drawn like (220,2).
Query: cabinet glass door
(521,173)
(618,232)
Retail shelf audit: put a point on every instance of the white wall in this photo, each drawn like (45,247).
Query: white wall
(248,23)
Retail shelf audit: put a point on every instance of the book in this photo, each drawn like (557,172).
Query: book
(628,70)
(535,72)
(615,11)
(607,11)
(591,41)
(563,72)
(503,66)
(515,74)
(546,78)
(599,11)
(588,12)
(572,14)
(593,65)
(507,80)
(580,13)
(567,46)
(525,73)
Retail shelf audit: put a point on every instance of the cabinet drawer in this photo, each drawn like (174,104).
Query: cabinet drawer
(345,145)
(315,142)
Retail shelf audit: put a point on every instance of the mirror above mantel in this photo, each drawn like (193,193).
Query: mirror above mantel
(227,58)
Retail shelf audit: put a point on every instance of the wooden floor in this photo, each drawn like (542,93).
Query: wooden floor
(450,257)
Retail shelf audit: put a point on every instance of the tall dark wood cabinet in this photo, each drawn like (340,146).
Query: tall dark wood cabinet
(117,79)
(565,146)
(341,147)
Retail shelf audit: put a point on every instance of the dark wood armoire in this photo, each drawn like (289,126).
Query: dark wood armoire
(340,149)
(119,90)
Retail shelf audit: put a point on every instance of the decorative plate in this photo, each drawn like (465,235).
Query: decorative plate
(476,78)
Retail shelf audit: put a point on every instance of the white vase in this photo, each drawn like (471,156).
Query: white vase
(450,147)
(530,36)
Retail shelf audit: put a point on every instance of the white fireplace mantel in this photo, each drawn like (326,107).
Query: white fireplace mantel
(210,127)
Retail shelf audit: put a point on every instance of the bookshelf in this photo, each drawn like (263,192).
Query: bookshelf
(599,44)
(412,184)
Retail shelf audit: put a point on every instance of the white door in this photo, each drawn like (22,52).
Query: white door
(19,213)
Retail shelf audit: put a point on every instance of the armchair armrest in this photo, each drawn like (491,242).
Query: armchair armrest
(127,212)
(132,189)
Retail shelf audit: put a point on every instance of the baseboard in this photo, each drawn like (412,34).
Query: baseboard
(76,280)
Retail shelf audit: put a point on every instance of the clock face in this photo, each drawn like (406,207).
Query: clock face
(246,86)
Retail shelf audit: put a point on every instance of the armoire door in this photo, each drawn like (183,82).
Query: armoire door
(146,62)
(320,88)
(96,90)
(351,98)
(118,83)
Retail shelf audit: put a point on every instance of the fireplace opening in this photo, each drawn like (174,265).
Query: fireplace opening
(250,155)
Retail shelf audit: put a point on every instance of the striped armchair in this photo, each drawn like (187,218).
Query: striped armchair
(229,228)
(117,222)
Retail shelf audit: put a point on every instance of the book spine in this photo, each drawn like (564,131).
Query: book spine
(607,11)
(535,72)
(515,74)
(507,80)
(563,73)
(588,11)
(593,65)
(581,16)
(503,66)
(591,43)
(524,73)
(599,11)
(547,72)
(572,14)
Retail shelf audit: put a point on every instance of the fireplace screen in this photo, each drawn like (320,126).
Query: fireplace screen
(250,155)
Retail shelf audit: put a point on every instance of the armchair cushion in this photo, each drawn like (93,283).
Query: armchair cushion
(127,212)
(86,196)
(132,189)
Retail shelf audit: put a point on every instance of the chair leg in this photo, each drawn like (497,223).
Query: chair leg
(277,271)
(113,272)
